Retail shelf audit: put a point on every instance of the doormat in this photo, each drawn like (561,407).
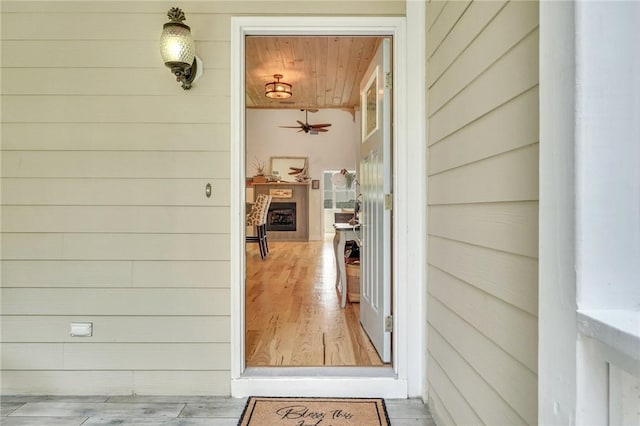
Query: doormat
(273,411)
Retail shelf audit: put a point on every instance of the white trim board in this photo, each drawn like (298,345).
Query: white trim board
(407,377)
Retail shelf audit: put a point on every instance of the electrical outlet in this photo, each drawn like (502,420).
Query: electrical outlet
(81,329)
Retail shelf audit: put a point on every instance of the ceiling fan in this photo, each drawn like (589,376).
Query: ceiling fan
(312,129)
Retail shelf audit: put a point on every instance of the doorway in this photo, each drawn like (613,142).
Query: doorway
(404,377)
(294,313)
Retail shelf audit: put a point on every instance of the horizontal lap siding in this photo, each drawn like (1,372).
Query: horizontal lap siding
(181,137)
(110,301)
(110,246)
(114,192)
(109,356)
(483,211)
(114,273)
(117,382)
(140,328)
(114,219)
(114,109)
(105,160)
(80,53)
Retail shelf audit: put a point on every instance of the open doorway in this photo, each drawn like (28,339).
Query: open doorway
(404,378)
(293,312)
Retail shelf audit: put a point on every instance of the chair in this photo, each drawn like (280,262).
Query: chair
(263,236)
(258,217)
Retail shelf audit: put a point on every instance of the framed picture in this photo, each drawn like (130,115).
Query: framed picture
(370,111)
(315,184)
(289,168)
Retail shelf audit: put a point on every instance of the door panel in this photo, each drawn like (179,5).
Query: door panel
(375,183)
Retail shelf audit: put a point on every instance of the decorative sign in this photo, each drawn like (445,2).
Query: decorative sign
(281,193)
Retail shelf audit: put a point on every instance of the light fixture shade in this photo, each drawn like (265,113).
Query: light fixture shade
(277,89)
(178,49)
(176,44)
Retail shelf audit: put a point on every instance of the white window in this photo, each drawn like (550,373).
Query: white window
(336,198)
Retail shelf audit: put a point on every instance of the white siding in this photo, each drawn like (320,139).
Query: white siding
(482,66)
(104,218)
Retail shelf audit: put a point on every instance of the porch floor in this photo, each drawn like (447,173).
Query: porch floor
(158,410)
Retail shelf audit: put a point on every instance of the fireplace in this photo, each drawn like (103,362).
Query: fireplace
(290,222)
(281,217)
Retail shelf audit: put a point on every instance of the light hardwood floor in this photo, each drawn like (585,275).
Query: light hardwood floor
(293,314)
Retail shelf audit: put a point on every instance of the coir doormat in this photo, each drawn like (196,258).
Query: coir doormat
(274,411)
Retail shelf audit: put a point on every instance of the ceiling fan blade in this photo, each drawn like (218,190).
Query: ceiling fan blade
(306,127)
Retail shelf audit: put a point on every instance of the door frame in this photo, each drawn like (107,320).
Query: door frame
(406,378)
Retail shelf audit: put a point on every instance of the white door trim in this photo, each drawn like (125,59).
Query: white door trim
(409,223)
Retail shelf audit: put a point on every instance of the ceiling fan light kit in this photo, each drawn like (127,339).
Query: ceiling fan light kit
(277,89)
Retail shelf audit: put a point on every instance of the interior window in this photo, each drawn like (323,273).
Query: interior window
(338,197)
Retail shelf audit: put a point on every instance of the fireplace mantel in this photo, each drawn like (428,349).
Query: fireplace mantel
(300,196)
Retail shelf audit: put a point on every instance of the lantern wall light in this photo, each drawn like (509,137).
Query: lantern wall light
(178,49)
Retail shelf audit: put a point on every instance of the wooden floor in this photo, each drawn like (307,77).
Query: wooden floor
(293,314)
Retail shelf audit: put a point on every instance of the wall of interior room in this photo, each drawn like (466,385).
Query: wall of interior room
(333,150)
(104,216)
(482,305)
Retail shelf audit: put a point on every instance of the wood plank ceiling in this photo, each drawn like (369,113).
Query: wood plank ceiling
(324,72)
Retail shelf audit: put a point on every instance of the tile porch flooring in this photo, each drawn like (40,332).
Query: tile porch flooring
(158,411)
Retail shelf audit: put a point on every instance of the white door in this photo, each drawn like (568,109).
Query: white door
(375,188)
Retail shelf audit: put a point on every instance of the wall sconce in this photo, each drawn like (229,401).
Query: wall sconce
(179,50)
(277,89)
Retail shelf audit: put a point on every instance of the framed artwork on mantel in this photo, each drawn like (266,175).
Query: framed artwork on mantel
(315,184)
(288,168)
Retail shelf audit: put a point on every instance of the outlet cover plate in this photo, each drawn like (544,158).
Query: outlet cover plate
(81,329)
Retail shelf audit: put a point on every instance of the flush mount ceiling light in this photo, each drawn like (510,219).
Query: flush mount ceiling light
(179,50)
(277,89)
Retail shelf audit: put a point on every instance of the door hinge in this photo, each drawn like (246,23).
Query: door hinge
(388,201)
(388,80)
(388,324)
